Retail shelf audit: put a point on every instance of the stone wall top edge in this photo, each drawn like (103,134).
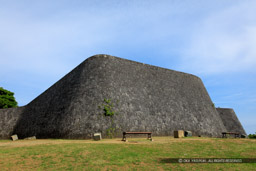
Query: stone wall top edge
(106,56)
(13,108)
(220,108)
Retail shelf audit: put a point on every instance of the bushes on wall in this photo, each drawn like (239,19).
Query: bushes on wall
(108,112)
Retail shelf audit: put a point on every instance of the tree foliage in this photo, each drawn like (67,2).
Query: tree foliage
(252,135)
(7,99)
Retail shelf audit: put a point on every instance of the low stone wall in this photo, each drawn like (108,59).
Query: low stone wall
(8,120)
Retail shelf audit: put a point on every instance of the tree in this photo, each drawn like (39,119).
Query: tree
(7,100)
(252,135)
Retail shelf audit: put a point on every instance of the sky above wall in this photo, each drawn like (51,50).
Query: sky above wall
(41,41)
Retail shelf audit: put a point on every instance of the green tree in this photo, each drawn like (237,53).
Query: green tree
(7,100)
(252,135)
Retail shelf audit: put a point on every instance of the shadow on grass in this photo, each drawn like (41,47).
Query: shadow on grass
(169,160)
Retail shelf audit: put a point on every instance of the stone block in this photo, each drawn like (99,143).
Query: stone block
(178,134)
(97,136)
(30,138)
(14,137)
(243,136)
(188,134)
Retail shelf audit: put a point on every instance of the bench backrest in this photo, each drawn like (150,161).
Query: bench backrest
(137,132)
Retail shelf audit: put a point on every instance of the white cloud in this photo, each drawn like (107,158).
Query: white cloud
(224,42)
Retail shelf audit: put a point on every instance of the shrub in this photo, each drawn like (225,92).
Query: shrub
(7,99)
(108,112)
(252,135)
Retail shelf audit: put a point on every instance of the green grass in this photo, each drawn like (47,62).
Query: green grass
(137,154)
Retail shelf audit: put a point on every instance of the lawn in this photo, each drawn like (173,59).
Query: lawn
(113,154)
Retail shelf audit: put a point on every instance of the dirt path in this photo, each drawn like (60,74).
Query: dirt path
(156,140)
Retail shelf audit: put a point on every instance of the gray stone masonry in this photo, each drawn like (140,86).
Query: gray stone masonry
(8,120)
(145,99)
(230,120)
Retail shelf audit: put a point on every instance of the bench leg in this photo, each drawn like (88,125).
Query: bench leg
(149,136)
(124,137)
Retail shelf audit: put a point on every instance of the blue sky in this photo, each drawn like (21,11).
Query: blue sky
(41,41)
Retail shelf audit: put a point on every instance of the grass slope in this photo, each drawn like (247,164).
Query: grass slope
(113,154)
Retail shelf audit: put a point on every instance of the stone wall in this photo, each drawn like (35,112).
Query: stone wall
(230,120)
(8,120)
(145,98)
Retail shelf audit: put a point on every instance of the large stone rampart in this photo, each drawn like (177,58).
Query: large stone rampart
(146,98)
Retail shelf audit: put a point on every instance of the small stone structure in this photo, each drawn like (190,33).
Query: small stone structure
(243,136)
(97,136)
(178,134)
(30,138)
(14,137)
(187,133)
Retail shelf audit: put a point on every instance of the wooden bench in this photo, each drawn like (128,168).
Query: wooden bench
(148,133)
(224,134)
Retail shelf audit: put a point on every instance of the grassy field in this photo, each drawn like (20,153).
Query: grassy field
(113,154)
